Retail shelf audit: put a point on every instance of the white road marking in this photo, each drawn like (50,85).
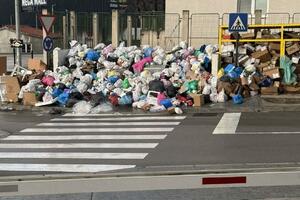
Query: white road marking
(69,155)
(262,132)
(80,145)
(228,123)
(94,130)
(83,168)
(112,124)
(122,118)
(85,137)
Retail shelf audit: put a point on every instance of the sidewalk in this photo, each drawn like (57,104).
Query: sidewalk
(254,104)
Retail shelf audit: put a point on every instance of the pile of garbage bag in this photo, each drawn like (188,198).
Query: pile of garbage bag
(96,79)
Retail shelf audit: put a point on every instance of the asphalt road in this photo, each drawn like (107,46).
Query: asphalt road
(187,142)
(42,144)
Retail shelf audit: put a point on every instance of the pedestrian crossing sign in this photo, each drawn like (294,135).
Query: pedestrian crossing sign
(238,22)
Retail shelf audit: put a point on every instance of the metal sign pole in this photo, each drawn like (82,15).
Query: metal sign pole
(237,36)
(17,16)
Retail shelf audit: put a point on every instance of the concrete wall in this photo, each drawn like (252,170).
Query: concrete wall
(201,6)
(5,35)
(291,6)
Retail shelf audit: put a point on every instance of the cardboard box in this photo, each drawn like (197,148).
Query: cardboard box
(292,89)
(248,35)
(244,81)
(12,88)
(29,99)
(274,46)
(297,70)
(3,65)
(269,91)
(272,73)
(276,84)
(263,65)
(198,99)
(293,49)
(190,75)
(263,56)
(36,64)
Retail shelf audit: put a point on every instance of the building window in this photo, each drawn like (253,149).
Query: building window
(249,6)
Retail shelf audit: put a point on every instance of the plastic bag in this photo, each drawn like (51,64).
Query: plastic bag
(237,99)
(206,89)
(289,77)
(222,97)
(82,107)
(139,66)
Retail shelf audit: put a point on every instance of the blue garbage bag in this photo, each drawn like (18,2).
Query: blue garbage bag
(113,79)
(56,92)
(266,82)
(92,55)
(148,52)
(126,100)
(233,75)
(167,103)
(229,68)
(237,99)
(63,98)
(238,70)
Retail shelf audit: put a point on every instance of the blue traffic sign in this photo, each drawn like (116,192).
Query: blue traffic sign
(238,22)
(48,43)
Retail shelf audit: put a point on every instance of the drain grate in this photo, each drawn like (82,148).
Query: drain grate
(205,114)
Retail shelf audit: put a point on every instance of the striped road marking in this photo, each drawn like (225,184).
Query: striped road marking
(228,123)
(122,118)
(94,130)
(84,168)
(113,124)
(85,137)
(68,155)
(80,145)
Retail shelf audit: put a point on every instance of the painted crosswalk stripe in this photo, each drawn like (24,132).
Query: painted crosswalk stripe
(85,137)
(70,155)
(80,145)
(228,123)
(80,168)
(122,118)
(94,130)
(112,124)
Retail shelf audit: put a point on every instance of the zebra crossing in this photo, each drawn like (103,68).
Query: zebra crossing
(85,143)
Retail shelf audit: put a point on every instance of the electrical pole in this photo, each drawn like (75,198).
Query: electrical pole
(17,16)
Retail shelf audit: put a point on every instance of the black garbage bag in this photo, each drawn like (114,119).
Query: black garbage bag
(156,85)
(97,99)
(76,95)
(171,91)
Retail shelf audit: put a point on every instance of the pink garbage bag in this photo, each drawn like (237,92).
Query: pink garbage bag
(48,80)
(160,96)
(139,66)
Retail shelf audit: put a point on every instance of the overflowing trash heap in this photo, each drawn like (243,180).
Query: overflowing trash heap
(261,70)
(94,80)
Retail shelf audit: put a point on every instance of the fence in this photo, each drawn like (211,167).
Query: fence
(163,29)
(154,29)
